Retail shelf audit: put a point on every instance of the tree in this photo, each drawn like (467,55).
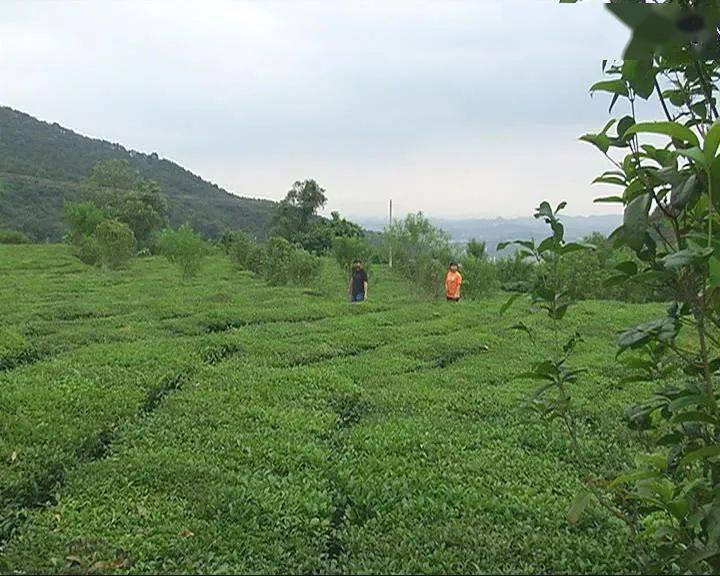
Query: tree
(348,249)
(115,243)
(83,218)
(239,248)
(117,189)
(421,252)
(476,249)
(185,248)
(296,210)
(322,232)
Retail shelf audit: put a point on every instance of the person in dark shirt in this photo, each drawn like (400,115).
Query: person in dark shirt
(358,288)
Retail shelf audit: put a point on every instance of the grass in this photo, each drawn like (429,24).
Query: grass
(218,425)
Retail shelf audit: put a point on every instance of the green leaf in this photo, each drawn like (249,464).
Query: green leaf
(600,141)
(509,302)
(610,180)
(714,271)
(684,192)
(696,155)
(609,200)
(578,506)
(693,416)
(672,129)
(628,267)
(712,141)
(704,452)
(687,257)
(641,76)
(635,221)
(633,477)
(625,123)
(618,87)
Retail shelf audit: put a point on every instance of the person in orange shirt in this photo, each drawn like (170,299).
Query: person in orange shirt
(453,280)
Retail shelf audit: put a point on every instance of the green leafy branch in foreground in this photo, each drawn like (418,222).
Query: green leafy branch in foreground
(552,399)
(669,175)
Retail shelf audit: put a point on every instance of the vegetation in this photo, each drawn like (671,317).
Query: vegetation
(184,248)
(115,243)
(297,220)
(421,252)
(238,427)
(13,237)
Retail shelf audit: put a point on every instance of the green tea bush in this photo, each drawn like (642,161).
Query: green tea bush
(184,248)
(14,349)
(13,237)
(284,264)
(116,243)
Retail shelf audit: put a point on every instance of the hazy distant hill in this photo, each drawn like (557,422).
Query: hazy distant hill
(41,165)
(494,230)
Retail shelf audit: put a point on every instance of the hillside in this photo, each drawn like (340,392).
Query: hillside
(42,164)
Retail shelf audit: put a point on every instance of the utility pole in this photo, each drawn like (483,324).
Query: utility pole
(390,224)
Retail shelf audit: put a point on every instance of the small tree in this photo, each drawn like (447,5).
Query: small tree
(295,212)
(83,218)
(349,249)
(276,265)
(476,249)
(185,248)
(239,248)
(115,243)
(421,252)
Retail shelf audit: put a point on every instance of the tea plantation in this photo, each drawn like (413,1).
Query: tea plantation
(219,425)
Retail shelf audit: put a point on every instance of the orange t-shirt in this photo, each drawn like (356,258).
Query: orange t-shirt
(452,284)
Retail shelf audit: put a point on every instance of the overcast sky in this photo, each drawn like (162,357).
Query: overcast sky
(457,109)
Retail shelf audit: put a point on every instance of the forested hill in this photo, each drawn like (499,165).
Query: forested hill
(42,165)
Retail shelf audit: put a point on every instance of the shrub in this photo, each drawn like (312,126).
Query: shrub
(88,250)
(13,237)
(304,267)
(515,273)
(14,349)
(116,243)
(476,249)
(421,252)
(83,219)
(348,249)
(239,248)
(255,260)
(480,277)
(276,266)
(185,248)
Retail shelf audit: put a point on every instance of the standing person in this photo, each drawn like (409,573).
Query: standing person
(453,281)
(358,288)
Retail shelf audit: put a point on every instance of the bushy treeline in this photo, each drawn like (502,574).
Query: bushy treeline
(13,237)
(422,253)
(277,261)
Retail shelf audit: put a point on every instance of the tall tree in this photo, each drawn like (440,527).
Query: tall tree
(296,211)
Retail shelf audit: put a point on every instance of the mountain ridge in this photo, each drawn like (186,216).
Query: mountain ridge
(42,165)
